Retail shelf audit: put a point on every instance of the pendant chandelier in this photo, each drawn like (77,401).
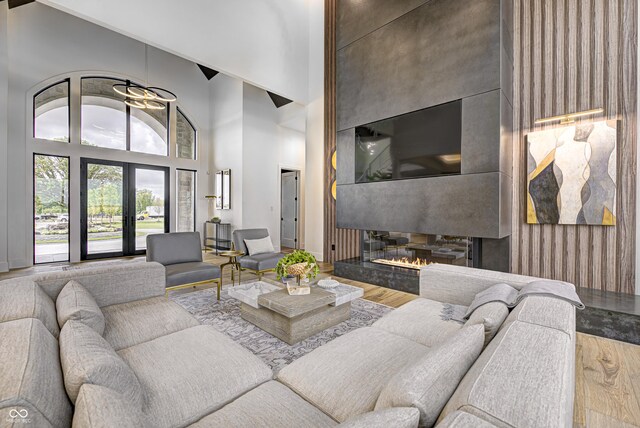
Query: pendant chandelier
(144,97)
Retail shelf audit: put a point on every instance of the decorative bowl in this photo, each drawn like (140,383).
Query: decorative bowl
(328,283)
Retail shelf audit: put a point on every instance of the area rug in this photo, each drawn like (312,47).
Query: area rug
(224,315)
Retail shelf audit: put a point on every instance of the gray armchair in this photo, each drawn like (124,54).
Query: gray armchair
(257,264)
(181,255)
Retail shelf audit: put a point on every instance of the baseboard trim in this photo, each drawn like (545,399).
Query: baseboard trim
(18,264)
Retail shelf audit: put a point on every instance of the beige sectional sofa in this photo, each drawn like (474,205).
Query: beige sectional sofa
(147,362)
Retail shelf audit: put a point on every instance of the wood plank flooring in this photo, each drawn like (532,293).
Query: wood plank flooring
(607,371)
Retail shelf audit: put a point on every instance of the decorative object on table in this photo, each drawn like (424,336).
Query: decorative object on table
(218,239)
(328,283)
(299,264)
(572,175)
(215,220)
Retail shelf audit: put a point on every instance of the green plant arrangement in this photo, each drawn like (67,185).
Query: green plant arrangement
(215,219)
(298,257)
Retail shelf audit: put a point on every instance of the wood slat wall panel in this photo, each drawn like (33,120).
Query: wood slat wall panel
(573,55)
(346,241)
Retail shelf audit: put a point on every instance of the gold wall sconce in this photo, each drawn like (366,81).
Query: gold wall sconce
(567,119)
(334,184)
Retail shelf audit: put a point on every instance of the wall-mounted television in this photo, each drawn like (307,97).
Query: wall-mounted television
(422,143)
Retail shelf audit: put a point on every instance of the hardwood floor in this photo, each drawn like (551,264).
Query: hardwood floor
(607,371)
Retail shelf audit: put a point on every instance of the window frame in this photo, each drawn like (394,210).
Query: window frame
(66,80)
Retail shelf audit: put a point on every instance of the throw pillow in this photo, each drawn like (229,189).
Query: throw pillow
(429,383)
(87,358)
(75,303)
(259,246)
(397,417)
(491,316)
(98,406)
(23,298)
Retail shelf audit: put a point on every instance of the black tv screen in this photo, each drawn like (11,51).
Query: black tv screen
(423,143)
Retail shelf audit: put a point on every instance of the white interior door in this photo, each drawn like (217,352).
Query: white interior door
(289,210)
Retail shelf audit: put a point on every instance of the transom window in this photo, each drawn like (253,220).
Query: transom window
(51,112)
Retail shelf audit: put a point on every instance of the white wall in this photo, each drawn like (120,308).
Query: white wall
(44,43)
(4,265)
(226,137)
(263,42)
(314,165)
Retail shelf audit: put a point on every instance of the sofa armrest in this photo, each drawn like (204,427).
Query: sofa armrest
(459,285)
(109,284)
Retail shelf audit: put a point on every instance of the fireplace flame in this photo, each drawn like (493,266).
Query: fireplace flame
(404,262)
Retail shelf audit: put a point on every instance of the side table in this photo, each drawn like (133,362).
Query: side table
(233,261)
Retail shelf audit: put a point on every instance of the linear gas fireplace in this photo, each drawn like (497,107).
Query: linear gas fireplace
(394,259)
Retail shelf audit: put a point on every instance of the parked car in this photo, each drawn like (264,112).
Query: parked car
(64,218)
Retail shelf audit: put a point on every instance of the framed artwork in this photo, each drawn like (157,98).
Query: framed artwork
(571,175)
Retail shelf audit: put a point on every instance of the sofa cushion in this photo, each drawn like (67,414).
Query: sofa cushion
(459,419)
(25,299)
(420,320)
(261,261)
(270,405)
(345,376)
(259,246)
(524,377)
(30,374)
(101,407)
(545,311)
(129,324)
(428,383)
(491,316)
(399,417)
(188,273)
(173,248)
(87,358)
(75,303)
(191,373)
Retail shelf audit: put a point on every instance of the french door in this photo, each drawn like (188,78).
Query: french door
(121,203)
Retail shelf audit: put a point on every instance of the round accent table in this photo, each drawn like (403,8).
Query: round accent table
(233,261)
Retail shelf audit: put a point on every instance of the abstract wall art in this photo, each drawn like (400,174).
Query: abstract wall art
(572,175)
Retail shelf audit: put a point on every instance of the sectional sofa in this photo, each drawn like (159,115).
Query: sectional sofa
(104,347)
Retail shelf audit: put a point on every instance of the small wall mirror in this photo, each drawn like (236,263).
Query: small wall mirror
(219,190)
(223,189)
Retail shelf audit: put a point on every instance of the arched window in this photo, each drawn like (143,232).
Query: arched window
(51,112)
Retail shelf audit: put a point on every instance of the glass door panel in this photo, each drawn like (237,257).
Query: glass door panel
(104,209)
(150,202)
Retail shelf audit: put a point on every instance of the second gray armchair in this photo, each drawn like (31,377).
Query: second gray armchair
(257,264)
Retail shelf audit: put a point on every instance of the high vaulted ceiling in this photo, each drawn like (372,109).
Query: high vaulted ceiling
(264,42)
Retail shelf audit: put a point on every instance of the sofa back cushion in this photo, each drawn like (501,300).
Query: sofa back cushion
(23,298)
(75,303)
(87,358)
(174,248)
(240,235)
(108,284)
(429,383)
(31,385)
(101,407)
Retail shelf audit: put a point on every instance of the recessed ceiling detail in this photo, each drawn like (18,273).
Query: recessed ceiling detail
(278,100)
(16,3)
(209,73)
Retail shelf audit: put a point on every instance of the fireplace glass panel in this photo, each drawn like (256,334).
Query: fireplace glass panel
(413,250)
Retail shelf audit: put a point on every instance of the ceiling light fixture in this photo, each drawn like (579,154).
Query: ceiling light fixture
(145,97)
(567,119)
